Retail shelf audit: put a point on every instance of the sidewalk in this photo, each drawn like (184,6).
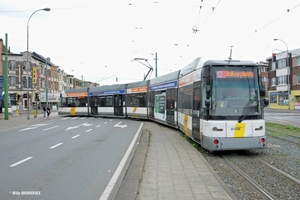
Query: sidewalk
(22,119)
(166,166)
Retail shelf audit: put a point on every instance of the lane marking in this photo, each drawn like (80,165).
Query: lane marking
(21,161)
(34,126)
(56,145)
(118,171)
(29,128)
(75,136)
(74,118)
(105,122)
(98,126)
(65,118)
(88,130)
(50,128)
(41,124)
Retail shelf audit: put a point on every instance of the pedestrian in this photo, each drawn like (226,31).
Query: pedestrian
(48,112)
(44,109)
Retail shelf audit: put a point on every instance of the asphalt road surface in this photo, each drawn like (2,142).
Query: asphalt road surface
(64,158)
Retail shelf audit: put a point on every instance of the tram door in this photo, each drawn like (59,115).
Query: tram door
(118,105)
(196,110)
(94,105)
(170,108)
(151,104)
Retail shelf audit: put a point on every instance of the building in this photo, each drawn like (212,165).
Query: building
(38,79)
(264,75)
(284,76)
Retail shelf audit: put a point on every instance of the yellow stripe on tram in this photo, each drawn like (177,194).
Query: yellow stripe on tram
(134,115)
(240,130)
(186,123)
(73,111)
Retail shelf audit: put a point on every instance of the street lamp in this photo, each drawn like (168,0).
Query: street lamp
(27,63)
(287,65)
(47,61)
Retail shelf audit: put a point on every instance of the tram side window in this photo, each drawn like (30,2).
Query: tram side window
(102,101)
(137,100)
(109,101)
(76,101)
(64,102)
(197,99)
(171,94)
(186,102)
(106,101)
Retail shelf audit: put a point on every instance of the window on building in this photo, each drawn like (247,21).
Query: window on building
(29,82)
(264,69)
(281,80)
(12,81)
(298,61)
(298,79)
(281,63)
(265,79)
(273,81)
(12,65)
(273,66)
(24,65)
(24,82)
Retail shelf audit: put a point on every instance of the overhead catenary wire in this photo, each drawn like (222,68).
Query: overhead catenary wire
(269,23)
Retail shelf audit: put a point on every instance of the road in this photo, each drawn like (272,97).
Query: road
(291,117)
(64,158)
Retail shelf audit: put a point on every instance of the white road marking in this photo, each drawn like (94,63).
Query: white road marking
(120,126)
(29,128)
(75,136)
(21,161)
(56,145)
(88,130)
(65,118)
(105,122)
(98,126)
(40,124)
(50,128)
(118,171)
(72,127)
(74,117)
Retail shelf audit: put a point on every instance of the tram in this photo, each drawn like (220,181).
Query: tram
(217,103)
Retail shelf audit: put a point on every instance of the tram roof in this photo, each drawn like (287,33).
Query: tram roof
(164,78)
(107,87)
(83,89)
(138,83)
(199,62)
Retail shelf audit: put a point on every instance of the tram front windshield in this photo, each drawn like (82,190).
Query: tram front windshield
(235,93)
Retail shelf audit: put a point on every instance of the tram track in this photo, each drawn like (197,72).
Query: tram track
(279,171)
(250,180)
(270,181)
(295,139)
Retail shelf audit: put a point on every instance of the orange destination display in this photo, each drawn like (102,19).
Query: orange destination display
(233,74)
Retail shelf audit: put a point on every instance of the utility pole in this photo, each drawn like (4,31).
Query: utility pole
(6,80)
(155,64)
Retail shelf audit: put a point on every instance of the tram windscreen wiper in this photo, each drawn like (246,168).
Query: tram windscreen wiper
(244,116)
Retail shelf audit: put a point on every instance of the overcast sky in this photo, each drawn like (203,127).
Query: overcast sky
(100,39)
